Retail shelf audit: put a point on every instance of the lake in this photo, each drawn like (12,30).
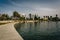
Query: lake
(39,30)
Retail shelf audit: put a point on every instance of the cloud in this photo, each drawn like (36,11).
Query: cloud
(41,7)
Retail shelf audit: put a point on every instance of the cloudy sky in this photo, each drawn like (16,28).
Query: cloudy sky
(40,7)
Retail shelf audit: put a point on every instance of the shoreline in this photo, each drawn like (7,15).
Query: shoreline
(22,21)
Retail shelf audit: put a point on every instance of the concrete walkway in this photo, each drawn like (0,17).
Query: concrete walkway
(8,32)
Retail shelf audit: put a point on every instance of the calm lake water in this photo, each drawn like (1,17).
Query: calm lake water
(39,30)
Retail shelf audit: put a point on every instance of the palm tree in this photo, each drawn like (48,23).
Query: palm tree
(30,16)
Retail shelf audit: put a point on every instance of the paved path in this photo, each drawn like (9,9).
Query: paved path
(8,32)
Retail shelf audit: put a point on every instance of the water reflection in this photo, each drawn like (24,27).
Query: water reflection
(39,30)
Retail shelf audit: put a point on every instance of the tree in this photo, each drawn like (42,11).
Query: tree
(30,16)
(16,14)
(56,15)
(44,17)
(38,18)
(4,17)
(35,17)
(56,18)
(50,18)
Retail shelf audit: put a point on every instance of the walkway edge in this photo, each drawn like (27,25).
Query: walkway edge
(8,32)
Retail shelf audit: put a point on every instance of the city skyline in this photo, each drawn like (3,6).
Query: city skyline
(40,7)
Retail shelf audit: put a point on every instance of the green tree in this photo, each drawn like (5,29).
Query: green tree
(38,18)
(16,14)
(30,16)
(4,17)
(35,17)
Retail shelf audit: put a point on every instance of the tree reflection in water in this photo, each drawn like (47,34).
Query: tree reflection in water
(39,30)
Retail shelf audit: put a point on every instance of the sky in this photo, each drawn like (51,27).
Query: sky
(39,7)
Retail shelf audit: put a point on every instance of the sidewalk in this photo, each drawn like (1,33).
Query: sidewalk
(8,32)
